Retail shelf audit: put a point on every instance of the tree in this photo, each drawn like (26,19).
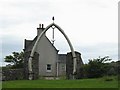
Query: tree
(96,67)
(16,58)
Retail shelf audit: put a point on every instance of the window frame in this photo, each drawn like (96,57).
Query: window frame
(49,68)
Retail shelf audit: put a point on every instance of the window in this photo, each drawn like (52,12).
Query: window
(63,67)
(48,68)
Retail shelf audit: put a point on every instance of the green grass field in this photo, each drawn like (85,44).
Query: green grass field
(82,83)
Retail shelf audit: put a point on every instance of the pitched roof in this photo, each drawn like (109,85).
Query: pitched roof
(32,42)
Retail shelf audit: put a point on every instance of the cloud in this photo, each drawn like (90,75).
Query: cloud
(91,51)
(91,25)
(11,44)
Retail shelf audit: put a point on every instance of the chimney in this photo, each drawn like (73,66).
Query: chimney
(42,25)
(39,25)
(40,29)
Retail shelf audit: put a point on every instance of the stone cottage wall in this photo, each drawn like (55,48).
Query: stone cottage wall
(35,63)
(69,66)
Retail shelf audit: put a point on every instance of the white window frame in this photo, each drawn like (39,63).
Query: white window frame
(50,68)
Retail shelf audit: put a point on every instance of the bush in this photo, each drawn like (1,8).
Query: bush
(110,78)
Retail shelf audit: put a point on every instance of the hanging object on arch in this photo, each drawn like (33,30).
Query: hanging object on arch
(53,35)
(53,40)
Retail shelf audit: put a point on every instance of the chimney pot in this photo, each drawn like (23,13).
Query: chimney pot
(39,25)
(42,25)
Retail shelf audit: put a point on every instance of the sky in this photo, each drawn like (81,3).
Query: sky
(91,25)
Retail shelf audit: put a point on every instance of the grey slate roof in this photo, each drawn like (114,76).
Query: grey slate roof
(29,43)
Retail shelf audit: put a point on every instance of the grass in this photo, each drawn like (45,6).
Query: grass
(82,83)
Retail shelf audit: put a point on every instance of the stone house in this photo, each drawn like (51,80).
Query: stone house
(46,61)
(50,63)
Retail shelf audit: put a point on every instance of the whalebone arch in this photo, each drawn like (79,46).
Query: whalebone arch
(39,38)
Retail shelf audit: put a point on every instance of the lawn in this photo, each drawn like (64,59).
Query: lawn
(82,83)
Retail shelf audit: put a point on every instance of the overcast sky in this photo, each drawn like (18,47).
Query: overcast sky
(91,25)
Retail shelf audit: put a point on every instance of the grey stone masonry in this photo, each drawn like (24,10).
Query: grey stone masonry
(12,74)
(69,65)
(35,67)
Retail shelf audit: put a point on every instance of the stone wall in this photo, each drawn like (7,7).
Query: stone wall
(12,74)
(35,63)
(69,66)
(19,74)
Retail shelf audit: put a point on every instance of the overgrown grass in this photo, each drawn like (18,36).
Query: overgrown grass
(82,83)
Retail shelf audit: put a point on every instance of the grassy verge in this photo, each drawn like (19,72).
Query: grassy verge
(82,83)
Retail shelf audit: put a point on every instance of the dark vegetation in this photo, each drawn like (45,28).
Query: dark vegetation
(100,67)
(16,59)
